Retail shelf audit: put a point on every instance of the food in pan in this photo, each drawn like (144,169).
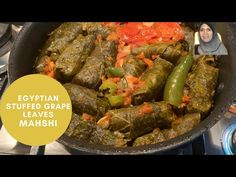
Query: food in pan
(86,100)
(154,80)
(58,40)
(132,83)
(138,120)
(186,123)
(168,51)
(151,138)
(179,126)
(174,87)
(84,129)
(97,63)
(202,82)
(74,56)
(133,66)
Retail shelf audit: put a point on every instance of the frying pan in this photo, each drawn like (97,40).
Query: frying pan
(33,36)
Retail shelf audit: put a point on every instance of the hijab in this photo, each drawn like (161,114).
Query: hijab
(214,46)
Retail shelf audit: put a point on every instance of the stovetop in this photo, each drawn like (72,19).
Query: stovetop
(219,140)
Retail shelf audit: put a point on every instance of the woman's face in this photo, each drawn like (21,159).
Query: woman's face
(206,33)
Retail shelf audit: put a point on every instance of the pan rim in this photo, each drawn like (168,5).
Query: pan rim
(209,121)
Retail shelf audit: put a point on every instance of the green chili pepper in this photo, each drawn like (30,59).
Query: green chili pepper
(116,100)
(115,72)
(110,86)
(174,88)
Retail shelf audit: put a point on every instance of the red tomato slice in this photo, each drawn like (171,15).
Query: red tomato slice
(129,30)
(149,33)
(135,33)
(169,30)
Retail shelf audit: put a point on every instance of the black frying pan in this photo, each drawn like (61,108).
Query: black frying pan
(32,38)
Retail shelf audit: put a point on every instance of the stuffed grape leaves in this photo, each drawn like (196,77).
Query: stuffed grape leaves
(115,74)
(96,28)
(59,39)
(88,131)
(186,123)
(179,126)
(169,133)
(74,56)
(91,74)
(202,82)
(74,122)
(86,100)
(133,66)
(63,35)
(152,138)
(154,81)
(138,120)
(168,51)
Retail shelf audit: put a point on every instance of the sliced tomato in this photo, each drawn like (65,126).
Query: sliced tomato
(129,30)
(136,33)
(169,30)
(150,33)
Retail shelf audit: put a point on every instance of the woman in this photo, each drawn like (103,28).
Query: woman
(210,42)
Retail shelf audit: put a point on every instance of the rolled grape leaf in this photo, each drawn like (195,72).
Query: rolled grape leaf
(152,138)
(57,42)
(63,35)
(154,81)
(73,123)
(109,52)
(86,100)
(133,66)
(79,128)
(152,49)
(91,74)
(186,123)
(96,28)
(202,82)
(169,133)
(74,56)
(107,137)
(189,37)
(136,122)
(168,51)
(89,132)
